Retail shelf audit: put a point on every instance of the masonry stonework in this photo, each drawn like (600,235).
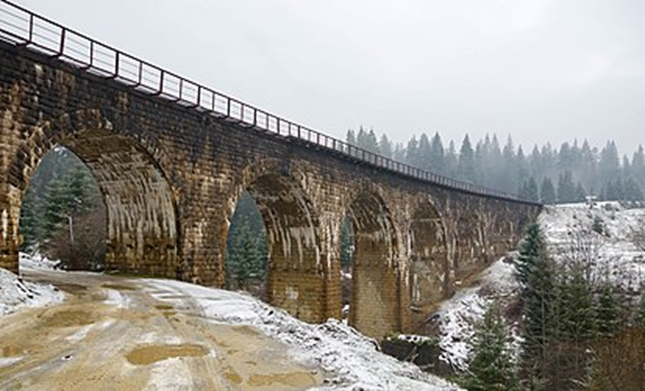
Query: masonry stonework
(171,177)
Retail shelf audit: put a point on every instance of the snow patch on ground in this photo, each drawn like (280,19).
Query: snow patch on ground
(351,358)
(614,255)
(115,298)
(80,334)
(37,261)
(6,361)
(458,316)
(16,293)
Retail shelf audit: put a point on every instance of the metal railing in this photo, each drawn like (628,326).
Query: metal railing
(24,28)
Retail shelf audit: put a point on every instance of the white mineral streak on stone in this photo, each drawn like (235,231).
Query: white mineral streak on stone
(5,225)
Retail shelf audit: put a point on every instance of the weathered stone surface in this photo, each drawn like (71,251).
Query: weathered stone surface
(171,177)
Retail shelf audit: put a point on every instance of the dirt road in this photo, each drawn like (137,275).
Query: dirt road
(111,334)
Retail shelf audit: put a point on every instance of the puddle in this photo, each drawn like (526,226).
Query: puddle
(147,355)
(9,351)
(119,287)
(231,376)
(68,318)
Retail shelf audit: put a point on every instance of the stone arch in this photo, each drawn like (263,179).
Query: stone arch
(375,303)
(296,280)
(428,256)
(142,232)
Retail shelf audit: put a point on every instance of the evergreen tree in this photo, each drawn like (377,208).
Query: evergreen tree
(346,243)
(607,311)
(580,193)
(245,263)
(566,188)
(531,190)
(412,152)
(424,153)
(350,138)
(547,192)
(633,191)
(609,164)
(452,161)
(437,163)
(578,312)
(399,153)
(491,367)
(467,171)
(535,275)
(246,246)
(638,166)
(385,146)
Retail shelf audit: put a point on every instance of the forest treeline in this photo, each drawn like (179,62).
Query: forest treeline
(547,174)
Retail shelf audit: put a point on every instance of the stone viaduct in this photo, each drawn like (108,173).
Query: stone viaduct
(171,171)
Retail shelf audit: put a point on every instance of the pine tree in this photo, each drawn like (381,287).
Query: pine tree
(607,311)
(578,316)
(385,146)
(580,193)
(245,262)
(491,367)
(346,243)
(424,153)
(547,192)
(467,170)
(535,275)
(532,190)
(566,188)
(412,152)
(437,160)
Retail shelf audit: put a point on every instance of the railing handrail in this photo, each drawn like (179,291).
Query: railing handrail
(24,28)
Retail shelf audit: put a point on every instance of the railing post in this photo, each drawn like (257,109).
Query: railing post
(161,77)
(116,63)
(31,27)
(62,42)
(140,74)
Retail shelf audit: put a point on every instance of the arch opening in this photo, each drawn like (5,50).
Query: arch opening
(295,273)
(140,230)
(63,214)
(375,307)
(429,277)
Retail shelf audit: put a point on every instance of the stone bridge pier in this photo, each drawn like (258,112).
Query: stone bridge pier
(171,175)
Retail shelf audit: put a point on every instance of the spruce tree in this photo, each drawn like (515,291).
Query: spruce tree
(607,311)
(547,192)
(466,167)
(346,243)
(578,320)
(534,271)
(491,367)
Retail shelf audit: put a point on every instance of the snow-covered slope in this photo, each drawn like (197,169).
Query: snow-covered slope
(352,358)
(568,231)
(16,293)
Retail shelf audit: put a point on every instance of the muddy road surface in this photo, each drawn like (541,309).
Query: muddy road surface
(111,334)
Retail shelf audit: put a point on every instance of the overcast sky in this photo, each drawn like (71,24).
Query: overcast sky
(537,70)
